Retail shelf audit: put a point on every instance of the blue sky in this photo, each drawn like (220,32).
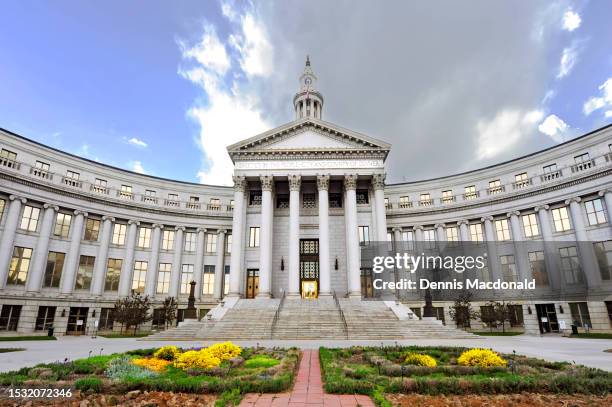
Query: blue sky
(162,87)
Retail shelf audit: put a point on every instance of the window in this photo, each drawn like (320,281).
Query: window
(62,225)
(144,238)
(580,314)
(113,272)
(215,204)
(9,317)
(282,201)
(173,197)
(538,268)
(476,234)
(92,230)
(581,158)
(447,196)
(603,251)
(211,243)
(44,319)
(550,168)
(520,177)
(190,242)
(168,240)
(186,278)
(425,199)
(72,175)
(570,264)
(53,271)
(254,237)
(595,212)
(408,238)
(100,183)
(364,235)
(255,198)
(363,198)
(495,187)
(452,234)
(387,204)
(107,318)
(139,277)
(2,205)
(226,277)
(126,191)
(231,205)
(470,192)
(163,278)
(335,200)
(228,243)
(99,186)
(208,280)
(508,268)
(29,219)
(429,238)
(502,230)
(20,263)
(41,169)
(309,201)
(4,153)
(150,196)
(85,273)
(561,219)
(404,202)
(119,234)
(389,241)
(530,225)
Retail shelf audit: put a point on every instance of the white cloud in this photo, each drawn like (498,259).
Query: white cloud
(571,20)
(209,52)
(137,142)
(608,114)
(597,102)
(569,57)
(504,130)
(554,127)
(256,52)
(136,166)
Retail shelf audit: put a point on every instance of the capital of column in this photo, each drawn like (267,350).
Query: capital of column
(512,213)
(397,229)
(603,192)
(52,206)
(486,218)
(541,208)
(240,183)
(181,228)
(221,231)
(14,197)
(323,182)
(439,225)
(109,218)
(462,222)
(576,199)
(78,212)
(417,227)
(267,182)
(157,226)
(201,230)
(295,181)
(133,222)
(350,181)
(378,181)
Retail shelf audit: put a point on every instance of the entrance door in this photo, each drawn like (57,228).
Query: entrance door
(547,318)
(309,268)
(77,320)
(252,285)
(367,290)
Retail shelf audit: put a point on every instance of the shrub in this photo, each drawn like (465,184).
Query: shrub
(261,361)
(197,359)
(89,383)
(480,357)
(224,351)
(167,353)
(229,398)
(92,364)
(122,368)
(420,359)
(155,364)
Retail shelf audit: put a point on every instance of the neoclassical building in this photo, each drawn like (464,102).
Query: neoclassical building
(75,234)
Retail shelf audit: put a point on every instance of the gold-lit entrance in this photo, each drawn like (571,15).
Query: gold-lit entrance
(309,268)
(252,285)
(309,289)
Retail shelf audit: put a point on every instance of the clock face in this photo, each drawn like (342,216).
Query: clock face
(307,81)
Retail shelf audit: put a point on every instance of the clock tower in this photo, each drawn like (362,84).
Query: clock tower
(308,102)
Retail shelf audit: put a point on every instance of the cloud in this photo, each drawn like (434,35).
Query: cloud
(569,57)
(554,127)
(506,129)
(208,52)
(256,52)
(137,142)
(597,102)
(571,20)
(136,166)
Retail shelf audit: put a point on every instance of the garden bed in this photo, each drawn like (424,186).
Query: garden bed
(221,369)
(444,371)
(500,400)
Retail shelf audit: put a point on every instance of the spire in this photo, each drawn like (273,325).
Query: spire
(308,102)
(307,60)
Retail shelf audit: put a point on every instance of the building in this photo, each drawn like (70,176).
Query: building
(77,234)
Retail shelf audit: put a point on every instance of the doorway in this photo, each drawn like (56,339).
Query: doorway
(309,268)
(252,285)
(77,321)
(547,318)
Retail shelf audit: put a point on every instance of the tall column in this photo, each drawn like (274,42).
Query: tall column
(324,258)
(464,236)
(440,235)
(494,265)
(378,182)
(588,259)
(153,266)
(8,236)
(607,196)
(397,239)
(97,284)
(265,243)
(71,263)
(294,235)
(198,267)
(127,267)
(237,236)
(550,250)
(39,260)
(520,256)
(175,273)
(219,263)
(352,238)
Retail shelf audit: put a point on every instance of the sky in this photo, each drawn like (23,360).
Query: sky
(161,88)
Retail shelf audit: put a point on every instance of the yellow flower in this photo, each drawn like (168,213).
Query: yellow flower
(225,350)
(197,359)
(167,352)
(420,359)
(154,364)
(480,357)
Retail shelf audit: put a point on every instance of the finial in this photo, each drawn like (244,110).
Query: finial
(307,60)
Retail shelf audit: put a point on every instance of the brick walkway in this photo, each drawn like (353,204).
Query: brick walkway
(307,391)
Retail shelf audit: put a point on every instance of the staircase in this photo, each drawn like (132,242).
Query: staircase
(309,319)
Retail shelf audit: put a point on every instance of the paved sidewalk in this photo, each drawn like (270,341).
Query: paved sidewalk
(307,391)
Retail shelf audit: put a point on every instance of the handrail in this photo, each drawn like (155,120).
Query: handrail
(344,324)
(276,315)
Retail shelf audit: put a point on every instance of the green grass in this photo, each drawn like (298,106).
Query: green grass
(261,361)
(89,383)
(599,335)
(7,350)
(119,336)
(489,333)
(27,338)
(229,398)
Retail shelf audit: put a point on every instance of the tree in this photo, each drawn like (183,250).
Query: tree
(168,310)
(498,313)
(488,315)
(461,311)
(132,311)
